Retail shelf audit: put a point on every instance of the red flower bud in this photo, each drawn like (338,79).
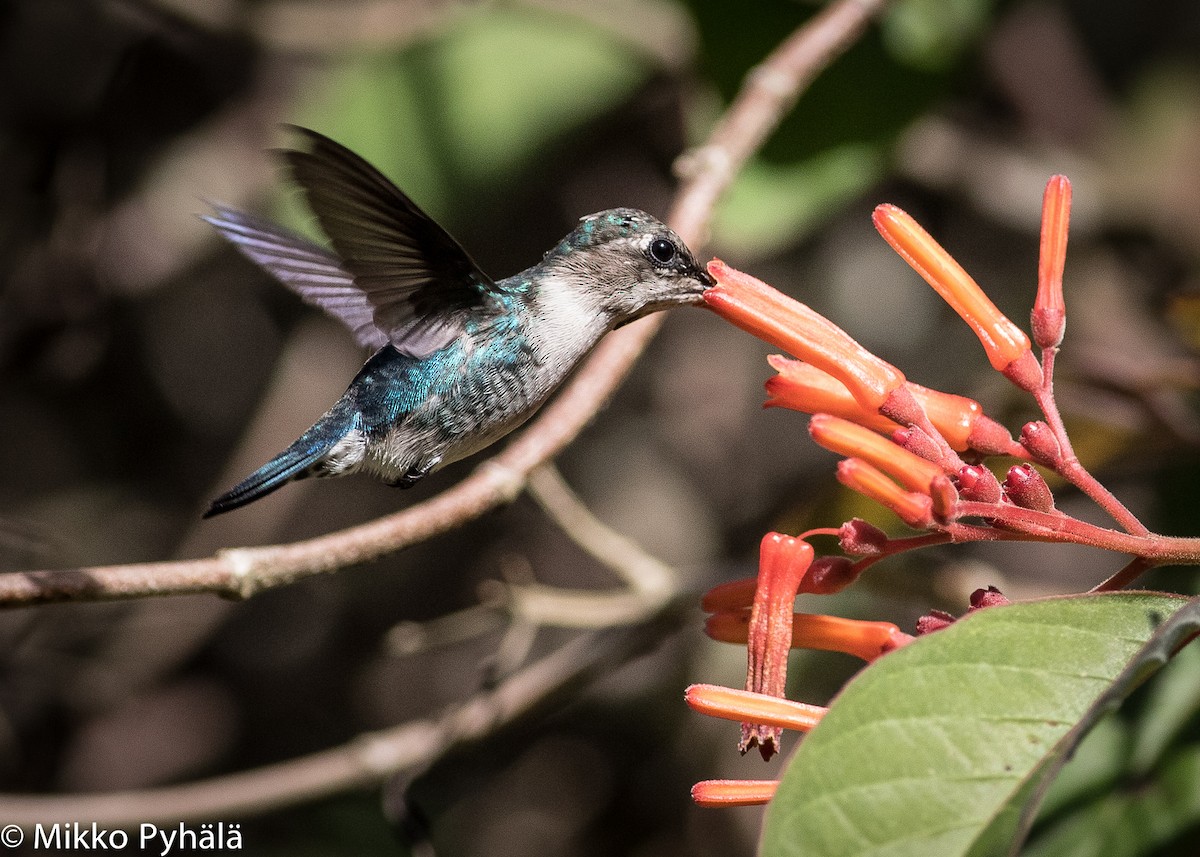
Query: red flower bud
(1038,438)
(978,484)
(1026,488)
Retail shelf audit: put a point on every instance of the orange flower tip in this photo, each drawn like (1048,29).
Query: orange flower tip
(718,269)
(1026,488)
(781,555)
(803,387)
(862,639)
(1025,372)
(1039,441)
(722,793)
(728,703)
(734,595)
(914,509)
(846,438)
(953,416)
(730,626)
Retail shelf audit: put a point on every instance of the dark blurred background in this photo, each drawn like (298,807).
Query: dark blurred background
(144,366)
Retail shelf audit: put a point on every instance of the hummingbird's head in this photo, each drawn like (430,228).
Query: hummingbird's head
(629,263)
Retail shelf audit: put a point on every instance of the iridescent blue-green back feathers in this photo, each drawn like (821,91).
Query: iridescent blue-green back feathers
(460,359)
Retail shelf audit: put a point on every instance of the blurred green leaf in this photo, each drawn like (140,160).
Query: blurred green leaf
(475,103)
(771,206)
(930,34)
(942,747)
(1139,819)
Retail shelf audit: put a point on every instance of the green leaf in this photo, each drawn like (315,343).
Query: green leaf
(945,746)
(1131,822)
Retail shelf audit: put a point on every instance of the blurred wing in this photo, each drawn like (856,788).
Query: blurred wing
(418,279)
(311,271)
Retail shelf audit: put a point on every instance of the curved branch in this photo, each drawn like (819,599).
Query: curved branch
(769,91)
(363,762)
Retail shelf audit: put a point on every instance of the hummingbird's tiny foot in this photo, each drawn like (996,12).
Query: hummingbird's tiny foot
(415,474)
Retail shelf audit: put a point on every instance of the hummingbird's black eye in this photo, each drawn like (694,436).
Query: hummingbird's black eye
(663,251)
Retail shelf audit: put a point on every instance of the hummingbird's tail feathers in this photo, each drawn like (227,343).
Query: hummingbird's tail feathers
(311,271)
(297,461)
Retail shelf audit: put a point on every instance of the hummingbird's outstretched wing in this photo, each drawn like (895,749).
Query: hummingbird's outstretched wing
(309,270)
(419,281)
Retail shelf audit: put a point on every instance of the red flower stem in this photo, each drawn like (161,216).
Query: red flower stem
(1132,570)
(1069,467)
(1056,527)
(897,546)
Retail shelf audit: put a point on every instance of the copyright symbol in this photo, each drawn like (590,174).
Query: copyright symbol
(11,836)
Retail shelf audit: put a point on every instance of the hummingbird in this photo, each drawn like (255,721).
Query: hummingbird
(460,359)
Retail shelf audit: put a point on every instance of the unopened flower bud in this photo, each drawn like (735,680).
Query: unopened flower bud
(991,438)
(1038,438)
(934,620)
(945,498)
(989,597)
(829,574)
(859,538)
(1026,488)
(979,485)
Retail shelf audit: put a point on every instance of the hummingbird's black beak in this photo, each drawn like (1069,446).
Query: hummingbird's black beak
(705,277)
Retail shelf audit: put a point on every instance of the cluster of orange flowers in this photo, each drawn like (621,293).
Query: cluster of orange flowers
(916,451)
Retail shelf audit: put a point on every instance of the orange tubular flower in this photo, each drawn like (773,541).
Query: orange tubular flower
(914,509)
(807,389)
(719,793)
(854,441)
(954,416)
(1007,346)
(773,317)
(803,387)
(1049,318)
(865,640)
(783,560)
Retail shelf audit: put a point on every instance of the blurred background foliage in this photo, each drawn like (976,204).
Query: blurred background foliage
(144,366)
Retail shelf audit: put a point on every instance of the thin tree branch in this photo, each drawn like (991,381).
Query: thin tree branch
(241,572)
(650,583)
(364,762)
